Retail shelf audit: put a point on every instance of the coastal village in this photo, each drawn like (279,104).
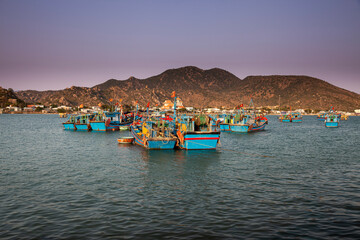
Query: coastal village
(12,107)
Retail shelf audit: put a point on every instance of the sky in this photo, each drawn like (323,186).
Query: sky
(50,45)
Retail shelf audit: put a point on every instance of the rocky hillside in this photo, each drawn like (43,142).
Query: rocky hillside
(203,88)
(8,97)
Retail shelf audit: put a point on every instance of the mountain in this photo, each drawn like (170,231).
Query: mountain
(7,97)
(204,88)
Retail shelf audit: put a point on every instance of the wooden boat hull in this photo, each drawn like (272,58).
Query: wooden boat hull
(331,124)
(245,128)
(284,120)
(82,127)
(296,120)
(69,126)
(199,140)
(162,143)
(224,127)
(98,125)
(153,143)
(101,126)
(239,128)
(125,140)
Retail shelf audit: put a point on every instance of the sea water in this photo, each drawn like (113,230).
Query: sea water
(291,181)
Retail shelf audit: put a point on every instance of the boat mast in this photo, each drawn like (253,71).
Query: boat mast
(174,110)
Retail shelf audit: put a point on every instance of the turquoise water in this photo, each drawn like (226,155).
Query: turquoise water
(292,181)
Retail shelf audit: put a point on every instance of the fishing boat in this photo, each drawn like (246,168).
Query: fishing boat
(110,121)
(292,117)
(285,118)
(152,136)
(83,122)
(321,116)
(69,124)
(63,115)
(332,120)
(261,118)
(296,117)
(224,125)
(344,117)
(194,132)
(245,122)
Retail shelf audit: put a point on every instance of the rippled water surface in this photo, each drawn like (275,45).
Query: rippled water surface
(292,181)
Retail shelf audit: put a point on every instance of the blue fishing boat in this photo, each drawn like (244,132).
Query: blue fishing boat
(69,124)
(332,120)
(110,121)
(224,125)
(195,132)
(293,117)
(285,118)
(321,116)
(151,137)
(198,140)
(83,122)
(296,117)
(247,122)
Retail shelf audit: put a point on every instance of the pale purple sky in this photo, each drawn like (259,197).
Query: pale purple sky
(59,43)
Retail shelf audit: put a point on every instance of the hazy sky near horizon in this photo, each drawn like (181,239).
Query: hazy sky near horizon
(60,43)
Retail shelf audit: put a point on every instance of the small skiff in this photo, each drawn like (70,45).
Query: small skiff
(125,140)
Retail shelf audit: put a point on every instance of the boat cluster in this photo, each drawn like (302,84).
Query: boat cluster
(101,121)
(183,131)
(331,118)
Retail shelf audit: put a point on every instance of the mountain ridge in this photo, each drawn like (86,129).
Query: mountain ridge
(204,88)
